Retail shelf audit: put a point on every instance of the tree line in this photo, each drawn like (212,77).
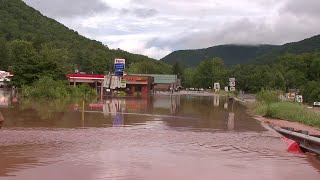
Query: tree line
(287,72)
(29,63)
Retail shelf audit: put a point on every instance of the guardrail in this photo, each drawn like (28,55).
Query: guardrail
(305,141)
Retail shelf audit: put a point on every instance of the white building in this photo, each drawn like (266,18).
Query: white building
(4,77)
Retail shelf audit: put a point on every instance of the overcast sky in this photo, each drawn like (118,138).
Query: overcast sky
(157,27)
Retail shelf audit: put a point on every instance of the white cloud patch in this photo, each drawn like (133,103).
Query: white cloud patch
(68,8)
(155,28)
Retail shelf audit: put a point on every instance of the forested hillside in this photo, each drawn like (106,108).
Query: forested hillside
(243,54)
(286,72)
(232,54)
(28,36)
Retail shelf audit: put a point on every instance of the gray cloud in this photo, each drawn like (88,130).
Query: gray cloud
(144,13)
(68,8)
(243,31)
(302,8)
(156,28)
(139,12)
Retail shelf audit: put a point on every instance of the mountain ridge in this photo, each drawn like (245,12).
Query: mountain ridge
(233,54)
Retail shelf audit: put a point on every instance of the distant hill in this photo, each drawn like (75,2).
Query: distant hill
(243,54)
(19,21)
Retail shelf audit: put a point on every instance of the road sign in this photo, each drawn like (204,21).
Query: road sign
(217,86)
(123,83)
(299,98)
(119,66)
(232,79)
(232,89)
(316,103)
(115,82)
(106,81)
(232,84)
(118,73)
(119,61)
(226,89)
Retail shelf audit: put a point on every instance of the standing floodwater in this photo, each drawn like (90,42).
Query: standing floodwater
(155,137)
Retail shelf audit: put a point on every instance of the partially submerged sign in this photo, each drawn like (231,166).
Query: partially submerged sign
(232,88)
(216,86)
(232,79)
(232,84)
(299,98)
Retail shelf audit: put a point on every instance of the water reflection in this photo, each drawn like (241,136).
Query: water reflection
(7,98)
(209,112)
(1,119)
(118,120)
(216,101)
(155,137)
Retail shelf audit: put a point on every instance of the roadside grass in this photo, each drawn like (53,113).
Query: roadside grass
(289,111)
(269,105)
(224,93)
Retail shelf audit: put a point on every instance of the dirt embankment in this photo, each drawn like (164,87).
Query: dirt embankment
(295,125)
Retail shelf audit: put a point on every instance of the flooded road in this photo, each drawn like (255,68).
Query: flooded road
(157,137)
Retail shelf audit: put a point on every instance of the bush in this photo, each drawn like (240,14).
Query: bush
(122,93)
(289,111)
(268,96)
(46,87)
(293,112)
(311,92)
(82,90)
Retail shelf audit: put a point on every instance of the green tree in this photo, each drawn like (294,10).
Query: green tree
(60,57)
(311,92)
(295,79)
(22,52)
(278,82)
(189,77)
(4,55)
(315,69)
(177,69)
(29,66)
(210,71)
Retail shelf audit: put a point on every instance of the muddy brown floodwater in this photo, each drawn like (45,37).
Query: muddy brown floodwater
(157,137)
